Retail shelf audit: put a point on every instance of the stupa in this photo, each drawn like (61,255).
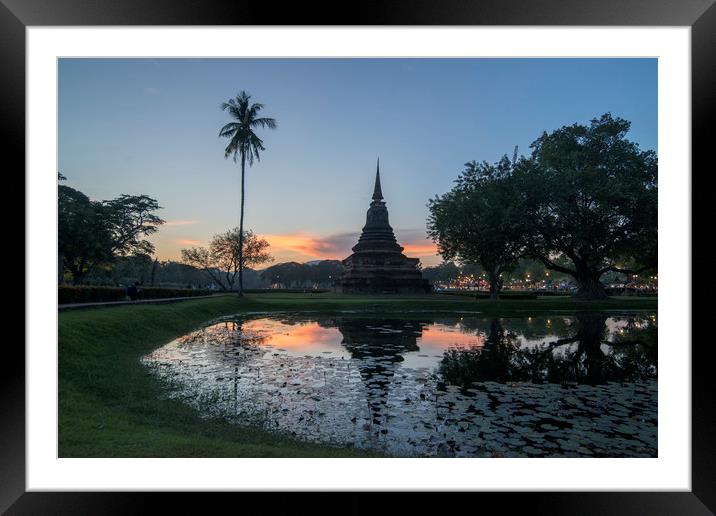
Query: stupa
(378,264)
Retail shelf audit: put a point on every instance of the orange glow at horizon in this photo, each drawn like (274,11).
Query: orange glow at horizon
(303,246)
(174,223)
(300,243)
(420,249)
(188,241)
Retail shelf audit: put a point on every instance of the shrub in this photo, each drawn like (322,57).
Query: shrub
(68,294)
(478,294)
(509,295)
(285,290)
(88,294)
(161,292)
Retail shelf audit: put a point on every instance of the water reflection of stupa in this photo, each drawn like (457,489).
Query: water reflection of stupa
(378,264)
(378,350)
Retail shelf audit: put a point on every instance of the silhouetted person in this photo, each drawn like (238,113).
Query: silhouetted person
(133,291)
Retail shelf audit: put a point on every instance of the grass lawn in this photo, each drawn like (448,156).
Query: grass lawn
(111,406)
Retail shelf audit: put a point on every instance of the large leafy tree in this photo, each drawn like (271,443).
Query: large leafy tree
(92,233)
(221,259)
(478,221)
(130,218)
(591,198)
(83,238)
(244,145)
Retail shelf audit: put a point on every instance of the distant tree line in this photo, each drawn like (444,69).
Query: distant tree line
(150,271)
(319,274)
(584,204)
(522,269)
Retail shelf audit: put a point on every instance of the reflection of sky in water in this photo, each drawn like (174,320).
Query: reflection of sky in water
(299,338)
(311,338)
(374,383)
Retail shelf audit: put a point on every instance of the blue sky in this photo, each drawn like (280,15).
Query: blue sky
(150,126)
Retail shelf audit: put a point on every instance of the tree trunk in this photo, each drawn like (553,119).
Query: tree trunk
(61,269)
(494,337)
(77,276)
(241,229)
(495,283)
(589,287)
(590,335)
(77,272)
(154,270)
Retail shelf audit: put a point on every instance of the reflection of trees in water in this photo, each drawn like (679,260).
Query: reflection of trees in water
(227,342)
(635,347)
(580,358)
(534,328)
(584,351)
(493,361)
(228,333)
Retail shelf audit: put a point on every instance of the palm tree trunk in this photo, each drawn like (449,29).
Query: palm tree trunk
(241,229)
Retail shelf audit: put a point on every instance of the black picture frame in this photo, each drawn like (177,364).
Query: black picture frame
(700,15)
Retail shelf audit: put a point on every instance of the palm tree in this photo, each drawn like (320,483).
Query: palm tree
(244,143)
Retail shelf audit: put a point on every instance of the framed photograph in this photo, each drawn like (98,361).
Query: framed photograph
(422,248)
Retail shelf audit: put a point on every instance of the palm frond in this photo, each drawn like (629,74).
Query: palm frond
(229,129)
(243,140)
(269,123)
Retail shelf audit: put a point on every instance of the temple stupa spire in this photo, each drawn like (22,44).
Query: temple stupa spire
(377,192)
(378,264)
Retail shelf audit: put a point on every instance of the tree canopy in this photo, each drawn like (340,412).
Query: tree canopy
(478,221)
(92,233)
(244,143)
(584,203)
(591,199)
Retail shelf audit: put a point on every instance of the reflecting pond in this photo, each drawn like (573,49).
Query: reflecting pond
(459,385)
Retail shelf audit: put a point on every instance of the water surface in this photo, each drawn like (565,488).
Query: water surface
(559,386)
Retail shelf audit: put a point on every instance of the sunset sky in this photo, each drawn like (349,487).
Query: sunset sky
(150,126)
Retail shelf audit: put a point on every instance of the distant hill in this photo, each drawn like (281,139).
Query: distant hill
(311,274)
(319,262)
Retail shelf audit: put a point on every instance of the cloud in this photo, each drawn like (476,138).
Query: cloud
(338,246)
(312,246)
(188,241)
(420,249)
(171,223)
(150,90)
(304,246)
(416,243)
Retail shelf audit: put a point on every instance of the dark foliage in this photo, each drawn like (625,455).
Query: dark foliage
(90,294)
